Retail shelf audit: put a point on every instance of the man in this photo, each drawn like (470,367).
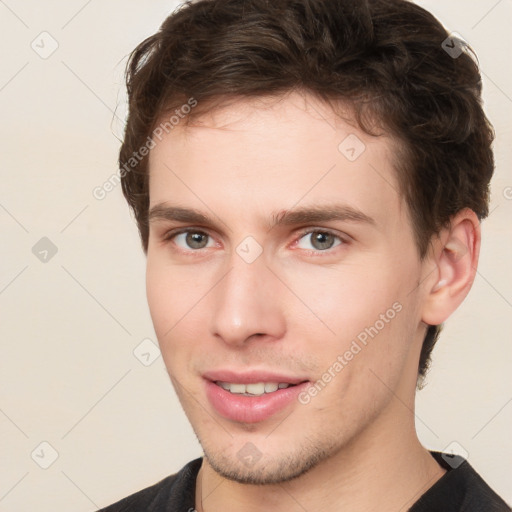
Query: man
(308,179)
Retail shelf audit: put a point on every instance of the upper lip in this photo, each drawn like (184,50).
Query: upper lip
(250,377)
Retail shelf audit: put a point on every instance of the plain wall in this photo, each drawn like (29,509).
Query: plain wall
(68,374)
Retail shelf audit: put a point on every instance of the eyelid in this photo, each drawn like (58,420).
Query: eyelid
(318,229)
(177,231)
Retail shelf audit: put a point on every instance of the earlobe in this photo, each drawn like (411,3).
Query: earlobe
(455,256)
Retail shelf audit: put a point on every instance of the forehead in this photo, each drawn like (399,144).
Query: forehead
(274,152)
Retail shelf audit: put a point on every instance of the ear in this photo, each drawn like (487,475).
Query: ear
(454,254)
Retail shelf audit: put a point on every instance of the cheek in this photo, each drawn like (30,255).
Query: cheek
(175,298)
(363,320)
(168,295)
(157,293)
(164,307)
(346,299)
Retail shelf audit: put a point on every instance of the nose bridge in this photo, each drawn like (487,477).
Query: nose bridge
(246,301)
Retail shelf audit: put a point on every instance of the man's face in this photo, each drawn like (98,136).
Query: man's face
(251,294)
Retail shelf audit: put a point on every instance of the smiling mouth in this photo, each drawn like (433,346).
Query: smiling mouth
(257,398)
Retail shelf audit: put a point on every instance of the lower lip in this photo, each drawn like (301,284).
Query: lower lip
(251,409)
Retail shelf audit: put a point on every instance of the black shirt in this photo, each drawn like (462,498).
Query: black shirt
(460,489)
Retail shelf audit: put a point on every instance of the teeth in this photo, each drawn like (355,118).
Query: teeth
(237,388)
(256,389)
(253,389)
(270,387)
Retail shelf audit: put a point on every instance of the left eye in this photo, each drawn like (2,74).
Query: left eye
(320,240)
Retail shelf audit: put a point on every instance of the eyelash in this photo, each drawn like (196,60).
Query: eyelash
(174,233)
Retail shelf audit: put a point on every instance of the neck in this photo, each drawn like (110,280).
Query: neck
(385,469)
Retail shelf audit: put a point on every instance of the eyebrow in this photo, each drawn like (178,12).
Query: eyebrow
(294,216)
(320,213)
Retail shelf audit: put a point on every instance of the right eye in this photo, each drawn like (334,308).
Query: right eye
(190,239)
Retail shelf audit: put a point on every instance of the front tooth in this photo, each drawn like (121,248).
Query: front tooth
(255,389)
(237,388)
(270,387)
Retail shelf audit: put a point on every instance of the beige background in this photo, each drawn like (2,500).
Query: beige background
(70,325)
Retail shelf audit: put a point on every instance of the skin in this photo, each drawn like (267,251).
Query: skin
(298,305)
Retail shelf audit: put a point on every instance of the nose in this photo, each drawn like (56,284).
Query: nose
(246,303)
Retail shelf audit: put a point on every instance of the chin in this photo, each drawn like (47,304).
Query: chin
(266,469)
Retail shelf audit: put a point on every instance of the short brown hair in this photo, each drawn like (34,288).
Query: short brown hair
(384,58)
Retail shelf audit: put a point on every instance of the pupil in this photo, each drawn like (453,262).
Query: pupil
(322,240)
(195,240)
